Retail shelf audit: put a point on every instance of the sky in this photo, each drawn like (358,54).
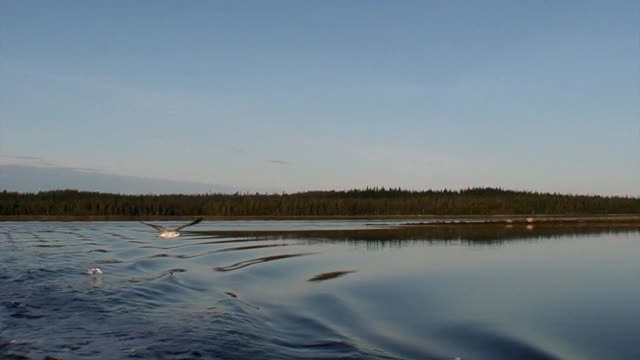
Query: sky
(311,95)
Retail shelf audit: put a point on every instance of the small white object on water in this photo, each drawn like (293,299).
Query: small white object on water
(530,220)
(94,271)
(165,233)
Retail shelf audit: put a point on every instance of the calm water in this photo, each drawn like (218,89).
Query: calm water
(292,289)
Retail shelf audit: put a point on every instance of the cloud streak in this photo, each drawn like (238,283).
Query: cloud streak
(35,161)
(80,169)
(278,162)
(22,157)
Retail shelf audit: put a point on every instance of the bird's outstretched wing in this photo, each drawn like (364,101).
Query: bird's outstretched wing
(157,227)
(189,224)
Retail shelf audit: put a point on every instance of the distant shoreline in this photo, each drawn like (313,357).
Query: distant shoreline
(450,219)
(369,203)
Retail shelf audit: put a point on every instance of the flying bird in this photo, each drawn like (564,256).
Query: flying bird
(165,233)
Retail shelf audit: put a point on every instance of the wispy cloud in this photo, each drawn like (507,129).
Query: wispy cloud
(278,162)
(21,157)
(36,161)
(80,169)
(54,167)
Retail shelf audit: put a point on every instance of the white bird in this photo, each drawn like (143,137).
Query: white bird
(165,233)
(94,271)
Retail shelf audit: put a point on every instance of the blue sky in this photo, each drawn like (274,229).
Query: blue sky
(298,95)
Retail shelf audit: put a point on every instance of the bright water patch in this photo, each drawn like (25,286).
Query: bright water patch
(318,289)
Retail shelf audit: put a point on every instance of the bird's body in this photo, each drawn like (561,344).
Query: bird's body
(165,233)
(168,234)
(94,271)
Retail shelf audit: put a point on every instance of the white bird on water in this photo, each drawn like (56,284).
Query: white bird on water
(94,271)
(165,233)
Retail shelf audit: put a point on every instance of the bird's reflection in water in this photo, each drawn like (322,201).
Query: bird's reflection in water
(95,281)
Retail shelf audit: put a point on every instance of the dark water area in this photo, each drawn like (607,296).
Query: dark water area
(352,289)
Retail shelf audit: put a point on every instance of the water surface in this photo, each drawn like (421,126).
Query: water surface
(318,289)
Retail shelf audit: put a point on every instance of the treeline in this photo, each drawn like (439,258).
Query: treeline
(367,202)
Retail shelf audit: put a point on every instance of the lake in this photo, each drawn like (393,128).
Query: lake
(319,289)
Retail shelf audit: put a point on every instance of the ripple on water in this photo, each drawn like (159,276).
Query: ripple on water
(245,263)
(473,340)
(330,275)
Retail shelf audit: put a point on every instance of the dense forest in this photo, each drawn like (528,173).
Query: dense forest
(366,202)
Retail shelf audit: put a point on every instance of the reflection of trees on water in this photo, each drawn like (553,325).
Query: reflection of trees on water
(476,235)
